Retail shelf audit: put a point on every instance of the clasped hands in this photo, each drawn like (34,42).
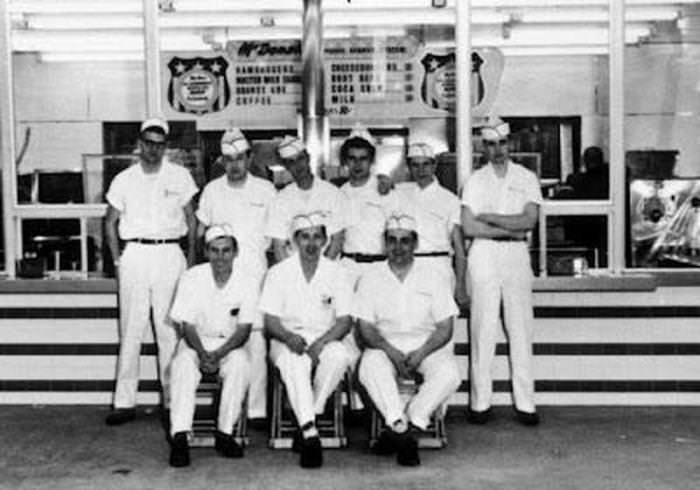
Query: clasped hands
(209,361)
(298,345)
(406,364)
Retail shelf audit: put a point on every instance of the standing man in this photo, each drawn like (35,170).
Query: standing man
(242,200)
(149,208)
(437,214)
(368,209)
(306,301)
(405,313)
(500,207)
(215,305)
(306,194)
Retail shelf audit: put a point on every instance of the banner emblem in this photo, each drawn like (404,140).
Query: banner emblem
(198,85)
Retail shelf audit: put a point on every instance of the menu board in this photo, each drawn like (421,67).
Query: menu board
(258,82)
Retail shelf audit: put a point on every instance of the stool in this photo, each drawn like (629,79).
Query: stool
(207,413)
(434,437)
(283,424)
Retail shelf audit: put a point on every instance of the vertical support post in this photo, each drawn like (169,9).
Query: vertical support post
(463,109)
(7,140)
(616,224)
(313,93)
(151,46)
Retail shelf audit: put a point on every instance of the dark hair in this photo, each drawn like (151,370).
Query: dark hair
(593,157)
(234,242)
(153,129)
(323,229)
(356,142)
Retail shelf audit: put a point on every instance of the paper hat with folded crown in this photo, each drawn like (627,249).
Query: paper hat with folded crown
(400,221)
(155,122)
(495,129)
(308,220)
(290,147)
(233,143)
(420,150)
(218,230)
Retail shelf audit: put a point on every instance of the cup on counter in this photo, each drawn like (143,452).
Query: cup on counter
(579,266)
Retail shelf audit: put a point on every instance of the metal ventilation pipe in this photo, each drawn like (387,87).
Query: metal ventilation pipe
(312,98)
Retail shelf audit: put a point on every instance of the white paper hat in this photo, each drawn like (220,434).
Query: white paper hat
(495,129)
(233,143)
(400,221)
(218,230)
(301,221)
(290,147)
(359,131)
(155,122)
(420,150)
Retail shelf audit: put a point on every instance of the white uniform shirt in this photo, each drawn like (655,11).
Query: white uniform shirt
(291,201)
(405,313)
(485,192)
(366,217)
(437,212)
(310,308)
(150,205)
(200,302)
(245,208)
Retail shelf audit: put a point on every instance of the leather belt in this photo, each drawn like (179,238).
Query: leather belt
(507,239)
(431,254)
(154,241)
(364,258)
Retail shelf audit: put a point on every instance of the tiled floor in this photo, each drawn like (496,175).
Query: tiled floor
(584,447)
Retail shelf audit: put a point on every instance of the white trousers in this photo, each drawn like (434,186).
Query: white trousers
(500,271)
(441,379)
(234,370)
(306,399)
(148,276)
(257,392)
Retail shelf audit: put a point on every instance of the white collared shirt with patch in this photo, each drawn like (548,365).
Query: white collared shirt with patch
(485,192)
(306,308)
(151,205)
(215,312)
(366,217)
(405,313)
(291,201)
(437,212)
(245,208)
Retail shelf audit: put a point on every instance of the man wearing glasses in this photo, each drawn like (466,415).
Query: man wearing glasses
(500,205)
(150,209)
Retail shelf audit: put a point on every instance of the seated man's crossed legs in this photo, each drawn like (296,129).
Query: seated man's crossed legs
(377,374)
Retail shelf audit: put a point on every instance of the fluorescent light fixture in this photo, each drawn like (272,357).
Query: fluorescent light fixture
(571,3)
(593,14)
(74,6)
(556,51)
(87,56)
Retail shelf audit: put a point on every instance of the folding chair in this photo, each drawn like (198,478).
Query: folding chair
(207,412)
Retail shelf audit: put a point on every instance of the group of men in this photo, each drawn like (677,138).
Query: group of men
(365,277)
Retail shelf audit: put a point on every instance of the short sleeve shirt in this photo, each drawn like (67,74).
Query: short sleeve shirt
(367,212)
(437,212)
(214,311)
(151,205)
(307,308)
(405,313)
(485,192)
(245,208)
(291,201)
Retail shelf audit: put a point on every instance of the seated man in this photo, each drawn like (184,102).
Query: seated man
(306,300)
(405,313)
(215,306)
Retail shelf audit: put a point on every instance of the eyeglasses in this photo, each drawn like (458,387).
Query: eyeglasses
(157,144)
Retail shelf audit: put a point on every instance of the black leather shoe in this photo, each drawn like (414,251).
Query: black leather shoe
(530,419)
(226,445)
(297,442)
(179,451)
(407,450)
(478,417)
(311,453)
(386,443)
(120,416)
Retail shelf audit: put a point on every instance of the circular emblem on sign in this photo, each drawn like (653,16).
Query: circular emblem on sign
(197,89)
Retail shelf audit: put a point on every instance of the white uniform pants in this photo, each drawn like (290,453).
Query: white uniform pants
(148,276)
(441,379)
(306,399)
(234,370)
(500,271)
(257,392)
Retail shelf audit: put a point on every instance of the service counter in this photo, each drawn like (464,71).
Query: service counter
(626,340)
